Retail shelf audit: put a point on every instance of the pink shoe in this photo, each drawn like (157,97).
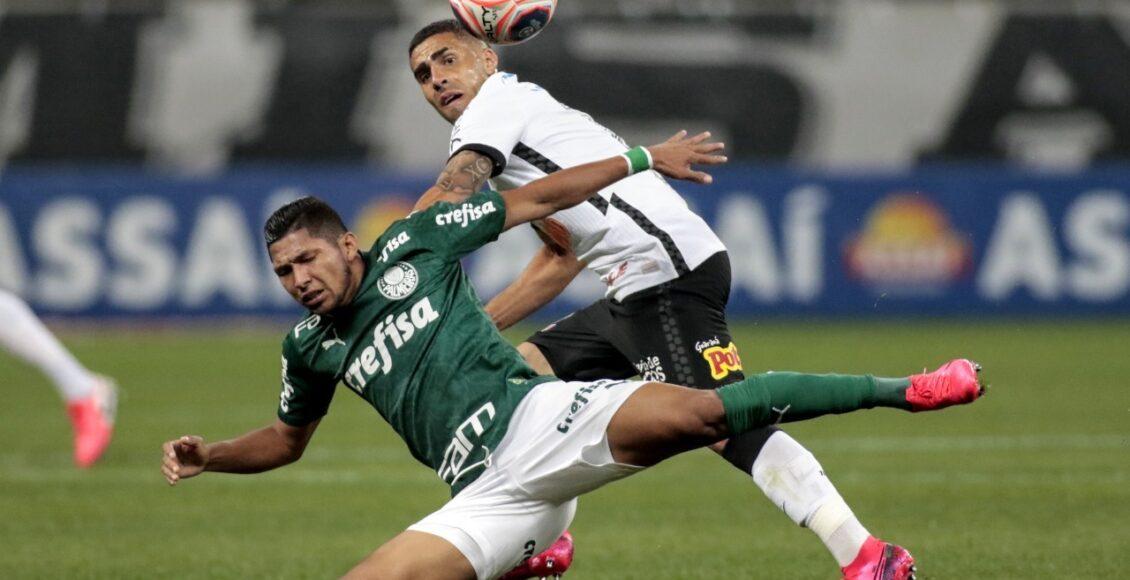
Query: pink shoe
(954,383)
(93,422)
(551,563)
(878,560)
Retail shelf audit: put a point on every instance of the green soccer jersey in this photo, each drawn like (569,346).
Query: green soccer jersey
(416,344)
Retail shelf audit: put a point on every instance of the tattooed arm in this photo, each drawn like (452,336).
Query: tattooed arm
(465,174)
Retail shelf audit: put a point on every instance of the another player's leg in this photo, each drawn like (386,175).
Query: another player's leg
(91,399)
(684,329)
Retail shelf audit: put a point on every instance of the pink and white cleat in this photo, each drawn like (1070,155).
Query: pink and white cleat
(551,563)
(878,560)
(93,422)
(954,383)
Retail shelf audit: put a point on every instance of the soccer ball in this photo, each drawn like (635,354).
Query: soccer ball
(504,21)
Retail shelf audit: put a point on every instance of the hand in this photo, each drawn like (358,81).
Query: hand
(675,156)
(183,458)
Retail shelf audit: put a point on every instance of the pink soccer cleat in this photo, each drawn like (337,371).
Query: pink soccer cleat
(551,563)
(954,383)
(93,422)
(878,560)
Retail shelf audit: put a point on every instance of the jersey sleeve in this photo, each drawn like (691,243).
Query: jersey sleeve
(305,395)
(453,230)
(493,125)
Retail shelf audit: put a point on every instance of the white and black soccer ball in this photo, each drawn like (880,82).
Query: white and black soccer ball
(504,21)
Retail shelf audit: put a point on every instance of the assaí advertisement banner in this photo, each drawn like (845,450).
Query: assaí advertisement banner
(936,241)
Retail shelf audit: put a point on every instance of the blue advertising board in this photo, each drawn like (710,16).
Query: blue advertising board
(119,242)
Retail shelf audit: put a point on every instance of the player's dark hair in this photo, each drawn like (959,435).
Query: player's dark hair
(439,27)
(308,213)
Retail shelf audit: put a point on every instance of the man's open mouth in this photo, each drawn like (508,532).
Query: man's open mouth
(449,98)
(312,298)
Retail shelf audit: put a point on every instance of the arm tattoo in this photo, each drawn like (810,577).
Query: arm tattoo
(465,174)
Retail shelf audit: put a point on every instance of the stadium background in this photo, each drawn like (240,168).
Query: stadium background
(912,181)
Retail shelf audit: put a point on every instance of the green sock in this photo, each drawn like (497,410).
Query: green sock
(785,397)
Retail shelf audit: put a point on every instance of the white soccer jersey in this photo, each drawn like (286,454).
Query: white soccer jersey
(636,234)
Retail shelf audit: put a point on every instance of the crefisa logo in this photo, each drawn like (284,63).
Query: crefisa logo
(908,246)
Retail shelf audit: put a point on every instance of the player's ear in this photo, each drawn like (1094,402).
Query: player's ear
(490,59)
(349,245)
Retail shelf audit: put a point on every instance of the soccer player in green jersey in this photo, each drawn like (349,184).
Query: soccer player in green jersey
(401,326)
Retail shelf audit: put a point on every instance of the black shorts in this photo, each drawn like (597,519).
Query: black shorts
(675,332)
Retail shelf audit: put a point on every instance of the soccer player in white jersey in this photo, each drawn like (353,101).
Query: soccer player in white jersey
(668,274)
(91,399)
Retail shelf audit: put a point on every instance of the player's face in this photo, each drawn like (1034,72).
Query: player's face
(320,274)
(450,70)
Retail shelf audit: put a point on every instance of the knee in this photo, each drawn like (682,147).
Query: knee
(702,416)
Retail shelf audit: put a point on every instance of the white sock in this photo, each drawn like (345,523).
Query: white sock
(22,333)
(793,480)
(839,529)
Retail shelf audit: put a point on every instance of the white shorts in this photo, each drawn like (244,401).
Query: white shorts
(555,450)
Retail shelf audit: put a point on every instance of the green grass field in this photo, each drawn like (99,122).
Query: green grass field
(1032,482)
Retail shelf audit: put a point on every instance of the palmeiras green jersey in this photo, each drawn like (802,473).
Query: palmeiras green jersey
(416,344)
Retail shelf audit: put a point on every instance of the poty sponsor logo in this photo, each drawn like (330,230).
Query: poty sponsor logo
(723,361)
(465,214)
(396,329)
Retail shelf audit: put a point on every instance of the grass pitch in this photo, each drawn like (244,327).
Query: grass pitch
(1032,482)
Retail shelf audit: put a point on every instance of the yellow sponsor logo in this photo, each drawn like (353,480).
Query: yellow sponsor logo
(723,361)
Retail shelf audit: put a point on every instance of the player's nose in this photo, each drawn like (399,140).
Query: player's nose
(301,277)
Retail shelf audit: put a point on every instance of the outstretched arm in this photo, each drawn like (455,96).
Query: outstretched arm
(464,175)
(569,187)
(544,278)
(261,450)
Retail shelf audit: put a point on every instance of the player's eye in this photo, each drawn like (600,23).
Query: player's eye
(282,271)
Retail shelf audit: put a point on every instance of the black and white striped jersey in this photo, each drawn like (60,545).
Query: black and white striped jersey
(636,234)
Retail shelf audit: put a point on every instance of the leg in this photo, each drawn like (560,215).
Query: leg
(25,336)
(535,358)
(578,348)
(679,333)
(660,420)
(91,399)
(413,555)
(688,318)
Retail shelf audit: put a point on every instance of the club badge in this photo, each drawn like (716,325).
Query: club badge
(398,281)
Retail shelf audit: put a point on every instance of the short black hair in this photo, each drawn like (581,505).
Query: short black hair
(439,27)
(308,213)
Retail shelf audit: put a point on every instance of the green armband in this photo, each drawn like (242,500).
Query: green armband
(639,160)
